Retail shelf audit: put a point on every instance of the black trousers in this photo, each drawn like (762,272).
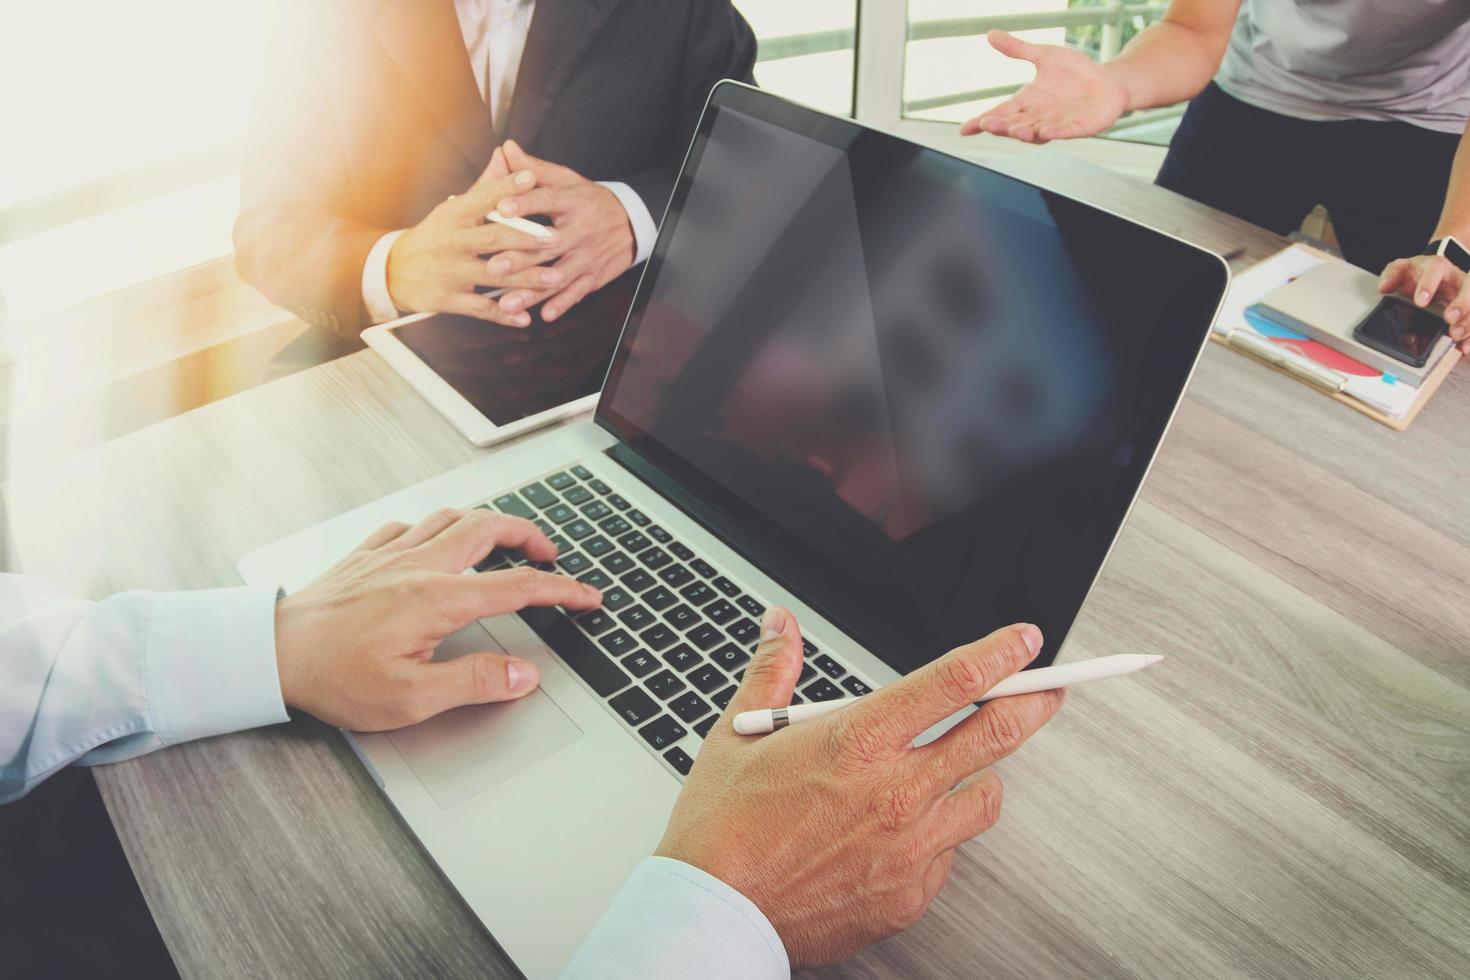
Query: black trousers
(1383,182)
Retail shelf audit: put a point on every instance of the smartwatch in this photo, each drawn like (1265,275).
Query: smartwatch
(1450,248)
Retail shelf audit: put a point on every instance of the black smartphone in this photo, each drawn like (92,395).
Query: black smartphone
(1401,330)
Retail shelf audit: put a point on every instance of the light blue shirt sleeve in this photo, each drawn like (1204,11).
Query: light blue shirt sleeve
(95,682)
(671,920)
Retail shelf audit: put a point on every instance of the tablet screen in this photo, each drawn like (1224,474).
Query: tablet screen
(508,373)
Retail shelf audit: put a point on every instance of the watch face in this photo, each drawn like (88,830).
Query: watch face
(1457,254)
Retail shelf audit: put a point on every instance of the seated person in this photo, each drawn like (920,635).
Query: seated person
(379,116)
(796,850)
(1360,106)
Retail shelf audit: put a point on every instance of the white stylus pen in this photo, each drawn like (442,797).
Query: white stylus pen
(531,228)
(768,720)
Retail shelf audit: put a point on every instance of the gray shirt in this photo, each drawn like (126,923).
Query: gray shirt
(1406,60)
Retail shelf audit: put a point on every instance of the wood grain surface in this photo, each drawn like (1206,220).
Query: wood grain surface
(1288,796)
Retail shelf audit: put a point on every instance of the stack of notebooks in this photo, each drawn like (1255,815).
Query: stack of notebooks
(1296,312)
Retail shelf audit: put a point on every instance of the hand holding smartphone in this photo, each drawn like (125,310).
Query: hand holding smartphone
(1401,330)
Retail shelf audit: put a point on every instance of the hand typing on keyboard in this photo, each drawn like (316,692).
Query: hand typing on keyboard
(839,829)
(354,647)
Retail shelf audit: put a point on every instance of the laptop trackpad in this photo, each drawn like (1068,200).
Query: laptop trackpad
(465,751)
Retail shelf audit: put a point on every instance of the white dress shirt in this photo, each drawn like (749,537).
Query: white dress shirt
(97,682)
(494,34)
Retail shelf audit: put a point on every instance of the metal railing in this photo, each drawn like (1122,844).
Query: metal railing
(1110,17)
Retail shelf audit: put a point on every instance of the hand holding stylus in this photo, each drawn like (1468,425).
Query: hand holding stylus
(768,720)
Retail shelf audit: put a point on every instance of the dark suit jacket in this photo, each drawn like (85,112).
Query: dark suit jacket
(370,117)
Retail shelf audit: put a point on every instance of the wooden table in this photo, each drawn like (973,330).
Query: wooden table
(1290,796)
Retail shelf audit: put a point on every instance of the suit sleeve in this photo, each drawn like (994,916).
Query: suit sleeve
(291,241)
(719,45)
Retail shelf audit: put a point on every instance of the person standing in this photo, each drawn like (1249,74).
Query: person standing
(1357,105)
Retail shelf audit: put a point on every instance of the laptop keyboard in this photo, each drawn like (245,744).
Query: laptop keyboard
(670,643)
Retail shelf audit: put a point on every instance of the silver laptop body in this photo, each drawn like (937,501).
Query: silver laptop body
(537,810)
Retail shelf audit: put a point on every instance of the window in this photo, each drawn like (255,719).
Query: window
(117,170)
(806,49)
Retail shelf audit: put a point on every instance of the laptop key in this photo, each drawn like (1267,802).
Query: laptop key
(681,617)
(750,605)
(545,527)
(680,760)
(574,562)
(659,598)
(665,684)
(703,728)
(726,586)
(681,550)
(641,664)
(706,678)
(596,510)
(560,481)
(616,500)
(634,706)
(581,472)
(498,558)
(514,506)
(636,617)
(697,593)
(856,687)
(705,636)
(615,526)
(596,578)
(575,650)
(702,568)
(807,673)
(615,598)
(797,699)
(808,648)
(744,631)
(730,657)
(596,622)
(539,496)
(829,666)
(577,530)
(682,657)
(560,514)
(822,689)
(657,637)
(618,642)
(600,487)
(662,732)
(615,561)
(676,575)
(577,496)
(638,517)
(634,542)
(721,611)
(638,580)
(690,707)
(662,537)
(722,700)
(655,558)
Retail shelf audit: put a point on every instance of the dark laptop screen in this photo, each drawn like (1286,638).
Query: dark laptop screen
(918,392)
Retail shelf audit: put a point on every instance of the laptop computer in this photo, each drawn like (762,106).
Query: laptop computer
(905,396)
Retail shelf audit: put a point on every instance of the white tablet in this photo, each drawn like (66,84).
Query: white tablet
(494,382)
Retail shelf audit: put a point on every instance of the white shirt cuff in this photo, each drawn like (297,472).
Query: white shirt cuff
(671,920)
(644,228)
(210,663)
(380,308)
